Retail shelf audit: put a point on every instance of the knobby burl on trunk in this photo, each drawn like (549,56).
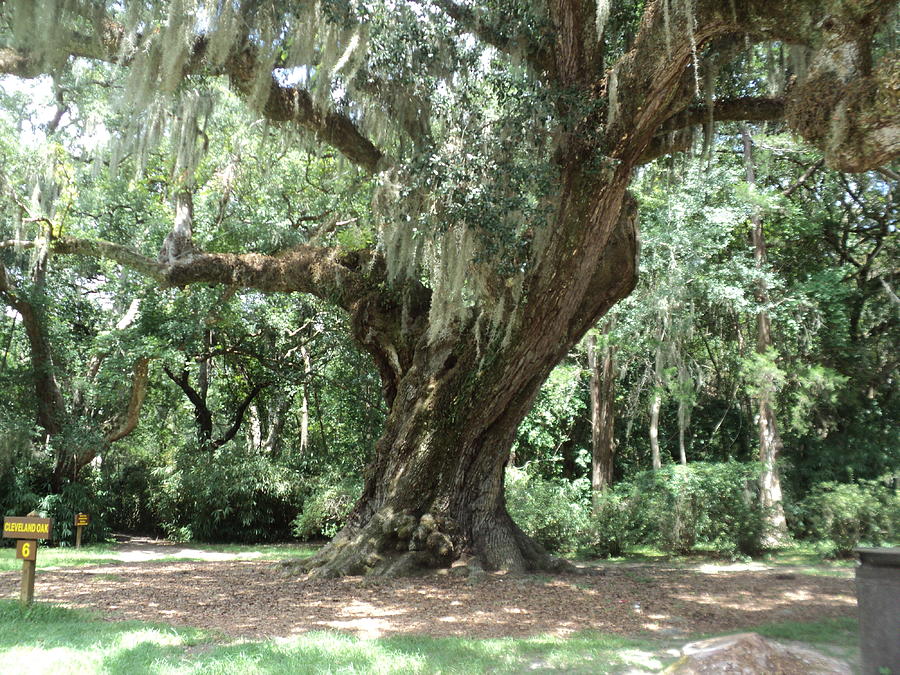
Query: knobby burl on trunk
(434,490)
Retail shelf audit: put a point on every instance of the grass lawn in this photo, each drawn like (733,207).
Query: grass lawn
(95,554)
(51,639)
(99,554)
(55,640)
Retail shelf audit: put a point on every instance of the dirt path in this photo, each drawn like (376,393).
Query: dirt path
(252,598)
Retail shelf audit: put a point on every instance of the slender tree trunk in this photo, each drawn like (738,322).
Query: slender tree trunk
(770,444)
(655,405)
(304,403)
(602,413)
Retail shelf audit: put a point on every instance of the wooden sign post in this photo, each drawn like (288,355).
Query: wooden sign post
(82,520)
(27,531)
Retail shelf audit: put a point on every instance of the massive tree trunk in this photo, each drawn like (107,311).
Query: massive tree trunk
(435,488)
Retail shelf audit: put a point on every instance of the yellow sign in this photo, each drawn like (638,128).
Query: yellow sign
(82,519)
(27,528)
(26,550)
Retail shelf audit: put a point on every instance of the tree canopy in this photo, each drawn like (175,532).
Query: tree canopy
(455,176)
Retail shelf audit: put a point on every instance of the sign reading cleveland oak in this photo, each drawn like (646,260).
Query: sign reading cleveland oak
(27,528)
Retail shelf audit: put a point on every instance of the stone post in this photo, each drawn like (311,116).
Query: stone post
(878,596)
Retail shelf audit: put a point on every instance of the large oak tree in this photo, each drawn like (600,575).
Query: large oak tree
(503,136)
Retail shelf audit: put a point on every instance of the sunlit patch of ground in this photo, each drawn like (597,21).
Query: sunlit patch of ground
(250,598)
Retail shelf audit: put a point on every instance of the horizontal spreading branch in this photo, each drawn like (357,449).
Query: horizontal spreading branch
(285,104)
(676,133)
(341,277)
(847,106)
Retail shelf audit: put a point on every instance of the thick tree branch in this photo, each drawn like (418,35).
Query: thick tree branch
(341,277)
(744,109)
(295,106)
(845,107)
(135,402)
(292,105)
(202,413)
(676,132)
(239,415)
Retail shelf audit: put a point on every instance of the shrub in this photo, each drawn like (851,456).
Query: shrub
(231,494)
(554,512)
(845,515)
(326,508)
(710,505)
(80,497)
(611,527)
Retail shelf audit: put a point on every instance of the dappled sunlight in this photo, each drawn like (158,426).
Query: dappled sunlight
(640,658)
(250,598)
(134,638)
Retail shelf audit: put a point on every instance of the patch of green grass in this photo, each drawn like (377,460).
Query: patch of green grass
(102,554)
(841,631)
(288,551)
(806,553)
(55,640)
(95,554)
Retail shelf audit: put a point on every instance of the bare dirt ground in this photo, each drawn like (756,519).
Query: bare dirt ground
(255,599)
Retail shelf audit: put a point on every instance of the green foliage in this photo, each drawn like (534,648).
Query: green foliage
(846,515)
(327,506)
(560,405)
(79,497)
(16,491)
(762,375)
(612,524)
(553,511)
(230,494)
(706,505)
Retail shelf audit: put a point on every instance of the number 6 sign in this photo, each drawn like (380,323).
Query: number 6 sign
(27,531)
(26,550)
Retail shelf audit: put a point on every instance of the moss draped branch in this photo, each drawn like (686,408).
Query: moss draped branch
(846,107)
(285,104)
(341,277)
(676,133)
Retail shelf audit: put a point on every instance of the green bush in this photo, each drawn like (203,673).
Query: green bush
(232,494)
(554,512)
(326,508)
(712,506)
(708,505)
(612,526)
(80,497)
(845,515)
